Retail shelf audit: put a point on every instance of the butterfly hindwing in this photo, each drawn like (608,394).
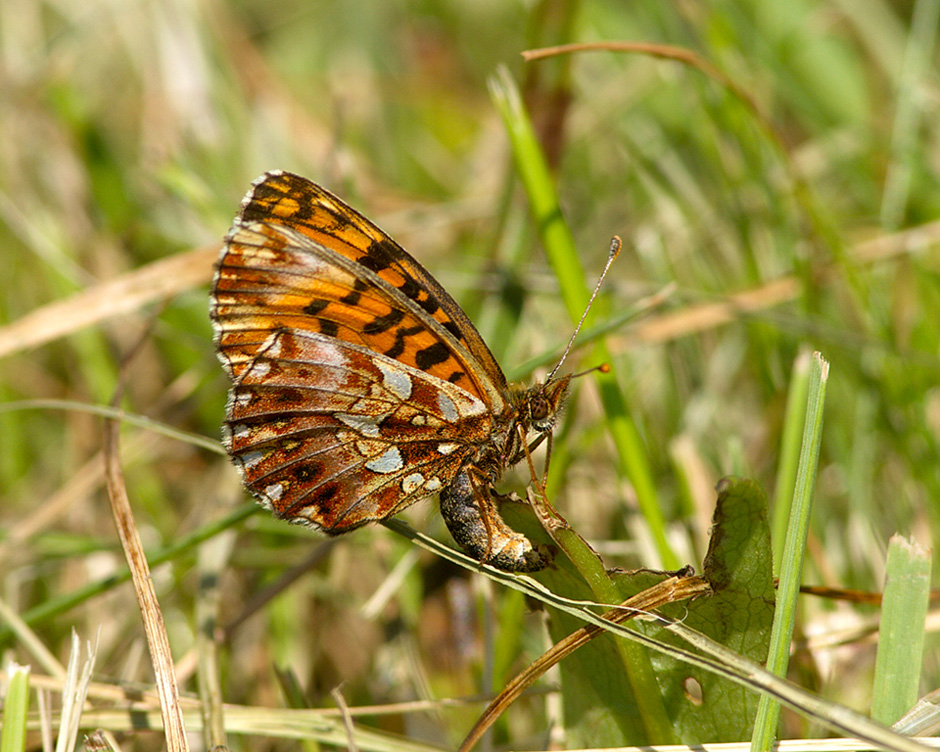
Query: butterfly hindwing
(326,432)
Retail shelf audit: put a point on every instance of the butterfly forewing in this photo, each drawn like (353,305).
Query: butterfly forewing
(286,217)
(275,278)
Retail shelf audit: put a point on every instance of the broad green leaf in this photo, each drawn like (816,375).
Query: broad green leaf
(738,615)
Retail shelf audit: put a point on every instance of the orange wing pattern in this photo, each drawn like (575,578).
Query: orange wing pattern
(298,257)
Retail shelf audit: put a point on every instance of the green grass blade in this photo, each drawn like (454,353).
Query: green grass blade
(559,245)
(901,637)
(791,567)
(789,454)
(15,706)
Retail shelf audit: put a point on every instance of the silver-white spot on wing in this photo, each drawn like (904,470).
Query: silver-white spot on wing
(250,459)
(411,483)
(395,380)
(367,425)
(389,462)
(448,408)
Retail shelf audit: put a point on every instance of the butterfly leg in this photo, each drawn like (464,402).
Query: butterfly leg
(471,516)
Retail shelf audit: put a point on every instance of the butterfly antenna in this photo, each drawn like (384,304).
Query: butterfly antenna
(615,244)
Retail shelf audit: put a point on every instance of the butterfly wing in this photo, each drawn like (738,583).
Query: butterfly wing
(299,257)
(329,433)
(358,381)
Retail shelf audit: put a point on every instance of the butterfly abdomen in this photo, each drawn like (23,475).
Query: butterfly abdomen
(474,522)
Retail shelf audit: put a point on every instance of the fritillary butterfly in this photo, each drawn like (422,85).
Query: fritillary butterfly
(359,386)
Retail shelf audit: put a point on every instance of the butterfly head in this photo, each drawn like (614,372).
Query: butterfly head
(544,401)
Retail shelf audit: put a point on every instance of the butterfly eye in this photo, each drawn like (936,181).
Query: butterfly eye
(544,402)
(538,408)
(541,414)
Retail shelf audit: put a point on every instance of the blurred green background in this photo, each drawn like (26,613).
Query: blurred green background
(130,131)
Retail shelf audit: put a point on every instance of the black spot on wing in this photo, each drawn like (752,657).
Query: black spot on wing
(324,495)
(400,334)
(383,323)
(410,288)
(287,396)
(453,329)
(430,305)
(379,256)
(431,356)
(327,327)
(315,306)
(308,471)
(371,264)
(262,197)
(351,298)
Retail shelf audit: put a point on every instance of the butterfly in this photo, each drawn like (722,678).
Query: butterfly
(359,385)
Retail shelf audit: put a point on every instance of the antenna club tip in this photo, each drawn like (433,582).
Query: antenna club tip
(604,368)
(615,245)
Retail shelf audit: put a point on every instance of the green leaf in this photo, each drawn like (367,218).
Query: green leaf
(703,707)
(738,615)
